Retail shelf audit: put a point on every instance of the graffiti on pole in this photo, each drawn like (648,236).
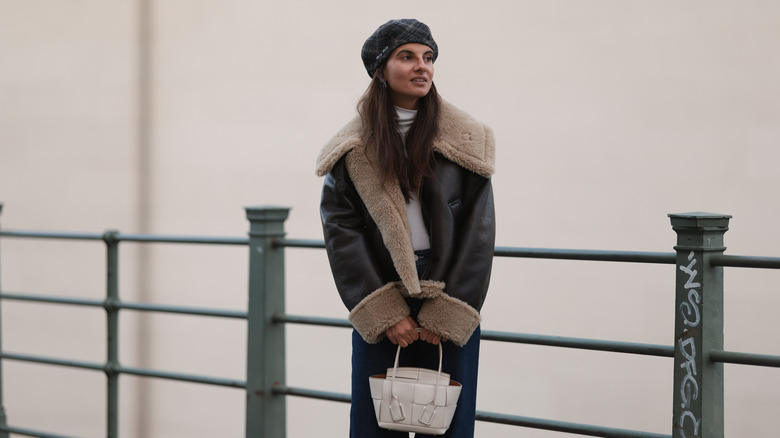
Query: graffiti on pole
(689,386)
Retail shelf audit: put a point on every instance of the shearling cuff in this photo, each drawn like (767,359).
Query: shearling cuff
(428,289)
(379,311)
(449,317)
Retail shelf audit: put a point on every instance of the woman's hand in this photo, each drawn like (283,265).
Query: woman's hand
(429,336)
(404,332)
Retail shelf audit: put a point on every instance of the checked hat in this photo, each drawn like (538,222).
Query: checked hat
(390,36)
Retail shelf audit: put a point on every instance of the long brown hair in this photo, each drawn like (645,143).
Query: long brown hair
(410,163)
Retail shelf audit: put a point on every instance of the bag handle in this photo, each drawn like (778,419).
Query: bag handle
(396,409)
(398,354)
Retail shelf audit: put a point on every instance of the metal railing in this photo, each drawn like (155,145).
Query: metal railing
(697,351)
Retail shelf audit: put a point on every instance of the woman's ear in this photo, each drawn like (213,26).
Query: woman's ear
(380,75)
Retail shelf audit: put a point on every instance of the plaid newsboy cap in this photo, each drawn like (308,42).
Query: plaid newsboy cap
(390,36)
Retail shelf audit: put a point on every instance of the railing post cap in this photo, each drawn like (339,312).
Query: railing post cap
(267,213)
(110,236)
(699,220)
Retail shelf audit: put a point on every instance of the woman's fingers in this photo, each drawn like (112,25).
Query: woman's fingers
(429,336)
(404,332)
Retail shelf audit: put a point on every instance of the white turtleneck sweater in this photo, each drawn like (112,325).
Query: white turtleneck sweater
(420,238)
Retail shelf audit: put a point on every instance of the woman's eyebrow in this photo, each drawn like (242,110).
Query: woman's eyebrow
(405,51)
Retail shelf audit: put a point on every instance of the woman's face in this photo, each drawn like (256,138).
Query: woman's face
(409,74)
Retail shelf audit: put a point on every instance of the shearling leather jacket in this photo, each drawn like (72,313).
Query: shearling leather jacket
(368,239)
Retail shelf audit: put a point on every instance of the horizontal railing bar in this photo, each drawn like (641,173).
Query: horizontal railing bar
(52,300)
(300,243)
(580,343)
(311,320)
(143,307)
(500,251)
(142,372)
(51,235)
(562,426)
(734,357)
(571,254)
(30,432)
(199,311)
(313,393)
(145,372)
(53,361)
(519,338)
(745,261)
(587,254)
(149,238)
(490,417)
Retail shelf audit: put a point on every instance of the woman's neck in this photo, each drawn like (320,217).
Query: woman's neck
(409,103)
(405,119)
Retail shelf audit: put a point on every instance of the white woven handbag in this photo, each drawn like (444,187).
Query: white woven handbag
(414,399)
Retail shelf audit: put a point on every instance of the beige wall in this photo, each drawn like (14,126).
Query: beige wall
(170,116)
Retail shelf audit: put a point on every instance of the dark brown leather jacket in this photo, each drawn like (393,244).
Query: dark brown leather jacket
(368,239)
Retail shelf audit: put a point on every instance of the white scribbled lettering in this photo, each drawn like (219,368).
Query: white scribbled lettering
(691,307)
(689,386)
(696,424)
(691,272)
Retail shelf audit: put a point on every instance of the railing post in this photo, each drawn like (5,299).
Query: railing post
(111,305)
(698,327)
(265,411)
(3,419)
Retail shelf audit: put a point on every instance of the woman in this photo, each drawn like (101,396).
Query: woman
(408,219)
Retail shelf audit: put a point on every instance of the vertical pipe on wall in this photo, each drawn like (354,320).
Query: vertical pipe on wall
(144,207)
(698,329)
(265,411)
(3,419)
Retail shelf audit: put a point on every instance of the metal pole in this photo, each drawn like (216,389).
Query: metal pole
(265,411)
(3,419)
(698,328)
(112,330)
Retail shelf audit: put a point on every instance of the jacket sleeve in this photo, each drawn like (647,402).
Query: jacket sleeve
(374,304)
(454,313)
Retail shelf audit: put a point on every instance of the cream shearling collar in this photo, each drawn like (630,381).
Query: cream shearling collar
(462,140)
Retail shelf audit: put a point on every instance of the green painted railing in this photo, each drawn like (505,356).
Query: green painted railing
(697,351)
